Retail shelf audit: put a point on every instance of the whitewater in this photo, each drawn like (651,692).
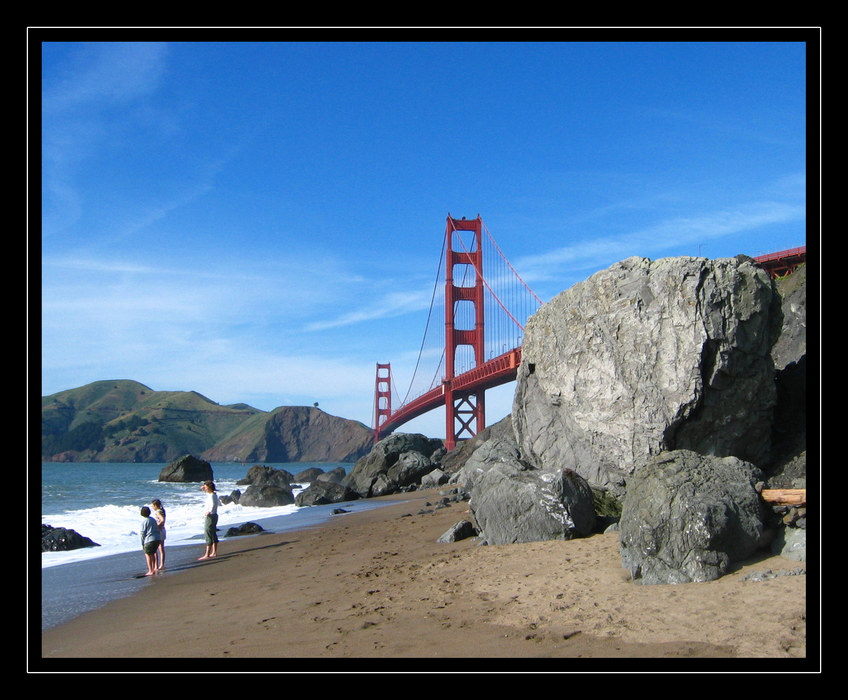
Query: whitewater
(102,501)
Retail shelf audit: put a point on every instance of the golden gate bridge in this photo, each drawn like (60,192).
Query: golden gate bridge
(486,305)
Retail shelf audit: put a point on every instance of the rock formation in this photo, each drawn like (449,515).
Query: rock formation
(62,539)
(186,468)
(649,356)
(395,462)
(660,384)
(687,517)
(323,492)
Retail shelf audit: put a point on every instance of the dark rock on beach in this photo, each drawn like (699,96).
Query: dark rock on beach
(260,475)
(324,492)
(396,462)
(308,475)
(266,496)
(186,469)
(337,474)
(244,529)
(60,539)
(459,531)
(687,517)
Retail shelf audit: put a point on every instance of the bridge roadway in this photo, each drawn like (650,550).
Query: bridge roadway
(499,370)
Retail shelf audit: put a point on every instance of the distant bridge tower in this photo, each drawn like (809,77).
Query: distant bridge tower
(383,397)
(463,408)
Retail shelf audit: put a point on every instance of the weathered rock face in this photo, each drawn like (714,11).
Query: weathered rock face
(792,344)
(649,356)
(687,517)
(186,468)
(395,462)
(512,503)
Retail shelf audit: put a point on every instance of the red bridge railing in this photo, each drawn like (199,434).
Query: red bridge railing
(784,261)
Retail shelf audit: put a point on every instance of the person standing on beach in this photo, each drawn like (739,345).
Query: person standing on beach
(210,524)
(159,515)
(149,539)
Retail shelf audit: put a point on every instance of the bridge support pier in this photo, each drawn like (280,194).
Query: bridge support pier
(465,416)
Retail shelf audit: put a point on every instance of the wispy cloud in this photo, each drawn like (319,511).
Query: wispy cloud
(103,74)
(671,234)
(390,305)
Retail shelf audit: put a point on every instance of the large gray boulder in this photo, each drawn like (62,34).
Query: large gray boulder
(511,502)
(394,463)
(686,517)
(645,357)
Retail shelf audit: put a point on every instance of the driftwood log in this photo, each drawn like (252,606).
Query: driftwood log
(785,497)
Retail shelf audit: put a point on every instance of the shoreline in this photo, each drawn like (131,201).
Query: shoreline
(72,588)
(374,589)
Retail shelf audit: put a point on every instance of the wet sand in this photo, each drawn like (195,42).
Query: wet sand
(375,591)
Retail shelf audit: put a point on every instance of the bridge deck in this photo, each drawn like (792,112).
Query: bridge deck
(497,371)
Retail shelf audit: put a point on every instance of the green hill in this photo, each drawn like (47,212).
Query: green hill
(125,421)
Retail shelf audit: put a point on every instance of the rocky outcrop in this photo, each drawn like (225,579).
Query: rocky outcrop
(61,539)
(324,492)
(646,357)
(687,517)
(186,468)
(662,385)
(395,463)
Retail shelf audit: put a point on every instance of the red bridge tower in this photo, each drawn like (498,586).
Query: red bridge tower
(463,408)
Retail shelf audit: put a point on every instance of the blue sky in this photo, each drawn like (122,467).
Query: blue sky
(262,222)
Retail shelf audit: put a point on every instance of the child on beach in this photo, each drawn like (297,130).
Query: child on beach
(210,523)
(159,515)
(149,539)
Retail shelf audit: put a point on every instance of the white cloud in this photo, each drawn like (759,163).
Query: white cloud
(663,236)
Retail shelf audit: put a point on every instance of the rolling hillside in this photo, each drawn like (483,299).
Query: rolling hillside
(125,421)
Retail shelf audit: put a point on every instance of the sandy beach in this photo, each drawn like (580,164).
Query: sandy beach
(375,590)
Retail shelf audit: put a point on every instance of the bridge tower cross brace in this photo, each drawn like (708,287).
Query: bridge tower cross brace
(465,413)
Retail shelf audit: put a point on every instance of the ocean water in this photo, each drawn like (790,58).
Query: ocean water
(102,501)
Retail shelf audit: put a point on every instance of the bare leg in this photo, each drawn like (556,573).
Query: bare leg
(151,564)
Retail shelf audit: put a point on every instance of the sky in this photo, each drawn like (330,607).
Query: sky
(262,221)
